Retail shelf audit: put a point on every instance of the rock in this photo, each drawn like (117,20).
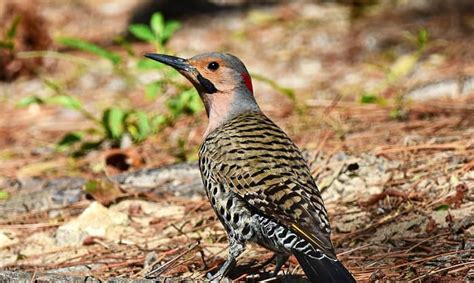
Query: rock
(149,210)
(96,220)
(6,240)
(441,89)
(38,243)
(400,230)
(352,221)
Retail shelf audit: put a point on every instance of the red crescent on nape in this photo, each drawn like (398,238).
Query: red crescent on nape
(247,81)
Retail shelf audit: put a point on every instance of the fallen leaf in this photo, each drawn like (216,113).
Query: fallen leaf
(103,191)
(430,226)
(458,197)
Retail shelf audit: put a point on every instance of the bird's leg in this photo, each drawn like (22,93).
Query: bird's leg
(280,260)
(235,249)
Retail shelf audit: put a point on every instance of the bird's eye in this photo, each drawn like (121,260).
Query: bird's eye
(213,66)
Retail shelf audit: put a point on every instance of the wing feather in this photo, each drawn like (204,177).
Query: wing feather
(273,178)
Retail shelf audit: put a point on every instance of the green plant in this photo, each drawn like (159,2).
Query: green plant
(114,125)
(157,33)
(83,45)
(116,60)
(398,70)
(186,101)
(8,40)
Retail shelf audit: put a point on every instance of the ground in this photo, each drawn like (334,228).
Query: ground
(382,104)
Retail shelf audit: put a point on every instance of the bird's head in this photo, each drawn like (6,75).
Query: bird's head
(221,79)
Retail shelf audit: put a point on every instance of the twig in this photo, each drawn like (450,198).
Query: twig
(354,249)
(446,146)
(157,270)
(426,240)
(430,258)
(442,269)
(468,166)
(30,225)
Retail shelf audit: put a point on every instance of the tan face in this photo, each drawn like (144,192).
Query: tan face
(216,71)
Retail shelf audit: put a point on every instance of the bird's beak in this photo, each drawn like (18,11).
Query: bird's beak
(180,64)
(183,66)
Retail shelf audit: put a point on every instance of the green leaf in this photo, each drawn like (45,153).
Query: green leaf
(86,147)
(174,106)
(4,195)
(152,90)
(11,32)
(170,28)
(188,102)
(6,45)
(158,121)
(91,186)
(368,98)
(194,103)
(157,24)
(69,139)
(143,125)
(442,207)
(423,37)
(113,122)
(27,101)
(65,101)
(142,32)
(91,48)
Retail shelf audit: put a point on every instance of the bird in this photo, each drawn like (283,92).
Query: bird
(255,177)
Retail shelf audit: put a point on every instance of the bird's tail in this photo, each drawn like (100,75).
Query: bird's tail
(324,269)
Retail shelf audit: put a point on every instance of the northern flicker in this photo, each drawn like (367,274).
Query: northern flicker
(255,177)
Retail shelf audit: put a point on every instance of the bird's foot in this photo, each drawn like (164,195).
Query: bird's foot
(219,276)
(280,261)
(216,277)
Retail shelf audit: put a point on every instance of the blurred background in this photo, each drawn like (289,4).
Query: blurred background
(393,79)
(65,65)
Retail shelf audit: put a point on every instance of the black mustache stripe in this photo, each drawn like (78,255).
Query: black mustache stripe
(206,84)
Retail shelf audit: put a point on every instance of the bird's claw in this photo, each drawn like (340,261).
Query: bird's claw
(217,277)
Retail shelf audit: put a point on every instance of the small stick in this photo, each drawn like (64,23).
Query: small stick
(157,270)
(446,146)
(469,264)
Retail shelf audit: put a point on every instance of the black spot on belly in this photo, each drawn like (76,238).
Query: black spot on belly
(229,204)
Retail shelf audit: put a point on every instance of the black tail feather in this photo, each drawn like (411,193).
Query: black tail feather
(323,270)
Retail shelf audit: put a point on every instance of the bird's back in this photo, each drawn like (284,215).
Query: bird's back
(252,158)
